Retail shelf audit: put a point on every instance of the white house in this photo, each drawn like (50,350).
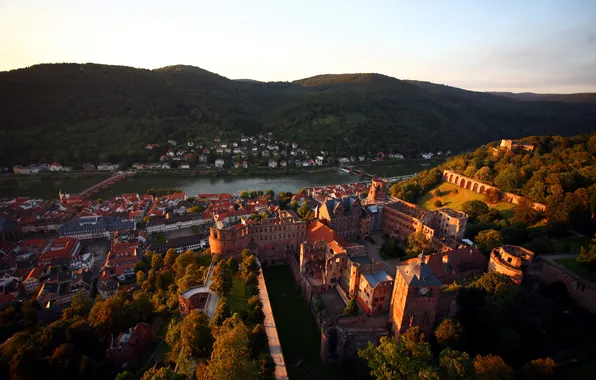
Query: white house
(272,163)
(184,166)
(427,156)
(55,167)
(106,166)
(172,142)
(219,163)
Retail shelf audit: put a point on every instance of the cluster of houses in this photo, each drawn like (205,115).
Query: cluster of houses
(57,167)
(261,150)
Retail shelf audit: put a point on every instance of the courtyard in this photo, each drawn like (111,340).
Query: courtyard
(300,338)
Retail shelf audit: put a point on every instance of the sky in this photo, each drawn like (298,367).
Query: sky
(520,46)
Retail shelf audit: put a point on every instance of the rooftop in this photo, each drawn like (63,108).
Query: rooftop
(418,274)
(374,278)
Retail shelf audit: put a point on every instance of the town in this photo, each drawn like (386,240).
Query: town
(263,150)
(367,263)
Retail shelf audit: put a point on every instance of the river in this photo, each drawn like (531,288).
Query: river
(48,187)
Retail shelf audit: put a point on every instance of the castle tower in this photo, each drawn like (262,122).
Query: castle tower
(378,191)
(415,297)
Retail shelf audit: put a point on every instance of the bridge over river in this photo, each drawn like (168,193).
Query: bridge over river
(116,176)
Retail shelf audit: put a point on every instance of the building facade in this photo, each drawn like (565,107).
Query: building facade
(343,216)
(415,298)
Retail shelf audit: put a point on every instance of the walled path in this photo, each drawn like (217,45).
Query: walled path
(559,256)
(274,346)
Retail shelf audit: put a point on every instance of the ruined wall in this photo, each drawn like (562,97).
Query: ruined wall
(580,290)
(340,342)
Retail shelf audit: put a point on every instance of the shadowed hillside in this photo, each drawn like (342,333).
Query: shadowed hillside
(75,113)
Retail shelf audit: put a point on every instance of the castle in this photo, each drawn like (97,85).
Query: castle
(333,265)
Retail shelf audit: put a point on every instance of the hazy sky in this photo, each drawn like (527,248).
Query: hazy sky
(520,45)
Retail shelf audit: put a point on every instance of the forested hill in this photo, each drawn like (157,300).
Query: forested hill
(76,113)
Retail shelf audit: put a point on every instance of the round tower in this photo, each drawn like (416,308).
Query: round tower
(378,191)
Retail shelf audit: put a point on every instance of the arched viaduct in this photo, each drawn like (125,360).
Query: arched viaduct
(466,182)
(481,187)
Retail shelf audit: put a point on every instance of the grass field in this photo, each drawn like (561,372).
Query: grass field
(576,268)
(573,244)
(456,201)
(298,332)
(237,298)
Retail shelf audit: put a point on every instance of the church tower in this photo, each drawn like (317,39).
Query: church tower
(415,298)
(378,191)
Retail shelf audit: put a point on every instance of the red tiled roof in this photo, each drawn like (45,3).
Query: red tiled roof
(317,231)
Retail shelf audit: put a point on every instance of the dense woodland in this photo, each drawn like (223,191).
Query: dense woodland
(73,345)
(501,331)
(75,113)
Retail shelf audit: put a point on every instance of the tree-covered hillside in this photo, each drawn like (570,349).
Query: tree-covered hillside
(560,173)
(76,113)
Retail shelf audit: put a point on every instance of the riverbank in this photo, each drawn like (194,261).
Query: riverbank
(195,181)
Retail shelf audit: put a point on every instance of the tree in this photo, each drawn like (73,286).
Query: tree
(456,365)
(230,358)
(222,312)
(491,196)
(258,340)
(492,367)
(449,333)
(249,265)
(437,193)
(251,280)
(195,335)
(305,213)
(79,307)
(524,212)
(270,193)
(156,262)
(351,308)
(170,258)
(244,194)
(401,359)
(492,282)
(475,209)
(164,373)
(508,179)
(125,376)
(418,242)
(488,240)
(222,279)
(483,174)
(438,203)
(587,257)
(539,369)
(141,277)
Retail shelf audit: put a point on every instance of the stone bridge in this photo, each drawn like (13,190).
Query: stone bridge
(466,183)
(105,183)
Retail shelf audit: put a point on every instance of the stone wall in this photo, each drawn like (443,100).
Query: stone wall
(579,289)
(341,341)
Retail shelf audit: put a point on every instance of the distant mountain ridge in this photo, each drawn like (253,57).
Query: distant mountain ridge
(584,97)
(75,113)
